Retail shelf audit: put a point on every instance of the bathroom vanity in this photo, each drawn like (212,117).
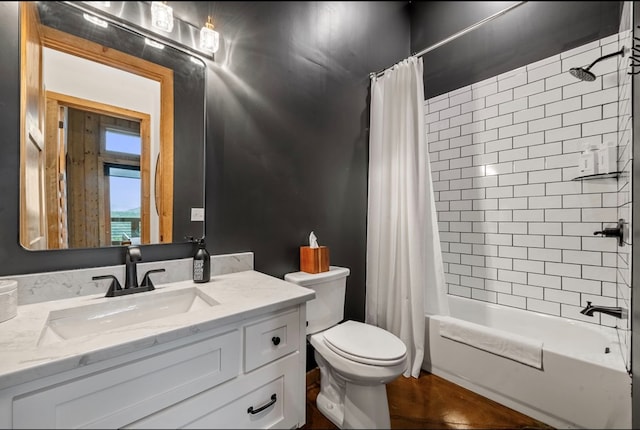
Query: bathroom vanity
(229,353)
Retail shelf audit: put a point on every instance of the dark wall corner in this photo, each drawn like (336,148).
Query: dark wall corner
(525,34)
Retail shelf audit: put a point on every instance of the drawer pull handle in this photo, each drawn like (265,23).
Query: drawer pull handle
(275,340)
(262,408)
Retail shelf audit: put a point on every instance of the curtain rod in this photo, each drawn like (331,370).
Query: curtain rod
(455,36)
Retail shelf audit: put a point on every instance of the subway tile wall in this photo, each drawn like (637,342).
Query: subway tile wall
(515,228)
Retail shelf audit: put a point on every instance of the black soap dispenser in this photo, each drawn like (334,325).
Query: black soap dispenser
(201,263)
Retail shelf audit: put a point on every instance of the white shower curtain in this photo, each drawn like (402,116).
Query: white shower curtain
(405,275)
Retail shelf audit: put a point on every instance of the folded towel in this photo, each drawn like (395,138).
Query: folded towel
(519,348)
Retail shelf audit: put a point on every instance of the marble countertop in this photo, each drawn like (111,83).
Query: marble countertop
(241,295)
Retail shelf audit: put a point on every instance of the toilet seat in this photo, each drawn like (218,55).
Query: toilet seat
(365,343)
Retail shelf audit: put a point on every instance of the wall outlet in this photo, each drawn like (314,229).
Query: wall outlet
(197,214)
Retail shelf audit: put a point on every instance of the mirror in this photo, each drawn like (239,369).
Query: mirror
(112,123)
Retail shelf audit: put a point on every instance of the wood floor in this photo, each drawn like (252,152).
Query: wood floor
(430,402)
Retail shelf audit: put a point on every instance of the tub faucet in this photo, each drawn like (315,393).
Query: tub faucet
(615,311)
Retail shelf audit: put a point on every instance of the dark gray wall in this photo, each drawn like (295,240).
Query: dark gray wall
(530,32)
(287,134)
(288,128)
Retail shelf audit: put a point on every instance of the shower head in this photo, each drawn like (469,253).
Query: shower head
(584,74)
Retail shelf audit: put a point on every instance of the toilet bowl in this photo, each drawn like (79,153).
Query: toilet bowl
(355,359)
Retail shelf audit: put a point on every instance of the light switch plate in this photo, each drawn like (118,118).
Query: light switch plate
(197,214)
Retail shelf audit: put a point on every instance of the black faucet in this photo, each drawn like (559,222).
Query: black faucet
(132,256)
(614,311)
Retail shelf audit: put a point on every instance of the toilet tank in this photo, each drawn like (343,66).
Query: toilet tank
(327,308)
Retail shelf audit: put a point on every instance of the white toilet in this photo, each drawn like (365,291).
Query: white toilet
(356,360)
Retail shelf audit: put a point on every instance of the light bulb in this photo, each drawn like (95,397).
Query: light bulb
(209,38)
(161,16)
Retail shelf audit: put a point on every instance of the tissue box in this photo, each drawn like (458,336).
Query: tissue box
(314,260)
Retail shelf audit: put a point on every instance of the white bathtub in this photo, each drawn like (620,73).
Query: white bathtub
(579,385)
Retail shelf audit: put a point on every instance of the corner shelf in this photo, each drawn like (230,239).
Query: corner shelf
(597,176)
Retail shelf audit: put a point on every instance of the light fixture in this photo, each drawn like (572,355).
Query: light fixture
(161,16)
(209,38)
(95,20)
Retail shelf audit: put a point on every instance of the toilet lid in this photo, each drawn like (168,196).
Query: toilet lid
(365,343)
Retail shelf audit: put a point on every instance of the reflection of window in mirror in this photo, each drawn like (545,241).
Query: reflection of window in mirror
(124,211)
(123,182)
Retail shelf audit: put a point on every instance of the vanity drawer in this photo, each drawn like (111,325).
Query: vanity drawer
(270,339)
(272,392)
(122,394)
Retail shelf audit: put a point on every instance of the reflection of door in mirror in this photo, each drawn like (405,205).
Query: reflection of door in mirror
(97,162)
(56,176)
(69,200)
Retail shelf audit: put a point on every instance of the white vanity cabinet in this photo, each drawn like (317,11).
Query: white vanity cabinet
(247,374)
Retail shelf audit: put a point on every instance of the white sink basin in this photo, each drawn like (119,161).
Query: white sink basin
(116,312)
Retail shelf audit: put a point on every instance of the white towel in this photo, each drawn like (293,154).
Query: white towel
(519,348)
